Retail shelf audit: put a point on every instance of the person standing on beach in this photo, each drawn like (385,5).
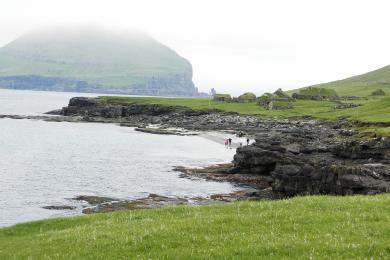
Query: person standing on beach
(230,142)
(247,141)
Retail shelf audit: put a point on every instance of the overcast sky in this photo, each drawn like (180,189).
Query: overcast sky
(235,46)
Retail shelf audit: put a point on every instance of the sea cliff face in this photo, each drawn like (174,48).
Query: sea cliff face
(177,85)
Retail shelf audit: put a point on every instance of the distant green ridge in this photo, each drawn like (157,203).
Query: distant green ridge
(100,59)
(361,85)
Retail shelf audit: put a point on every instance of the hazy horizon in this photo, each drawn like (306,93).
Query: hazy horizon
(234,46)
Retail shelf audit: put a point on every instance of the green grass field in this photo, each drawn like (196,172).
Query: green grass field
(304,227)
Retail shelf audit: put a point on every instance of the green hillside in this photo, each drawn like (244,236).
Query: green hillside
(373,114)
(362,85)
(98,57)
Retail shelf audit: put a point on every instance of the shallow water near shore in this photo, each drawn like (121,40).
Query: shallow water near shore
(46,163)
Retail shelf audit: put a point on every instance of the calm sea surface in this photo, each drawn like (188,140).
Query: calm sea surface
(47,163)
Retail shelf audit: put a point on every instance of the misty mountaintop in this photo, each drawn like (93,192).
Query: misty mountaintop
(94,59)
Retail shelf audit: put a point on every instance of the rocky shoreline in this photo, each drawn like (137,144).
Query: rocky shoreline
(288,157)
(294,156)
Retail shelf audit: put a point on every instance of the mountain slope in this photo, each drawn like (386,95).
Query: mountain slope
(95,60)
(361,85)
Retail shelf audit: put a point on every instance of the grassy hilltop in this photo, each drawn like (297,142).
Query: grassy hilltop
(303,227)
(361,85)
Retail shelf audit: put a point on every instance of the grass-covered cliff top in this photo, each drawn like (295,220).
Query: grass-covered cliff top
(353,227)
(375,109)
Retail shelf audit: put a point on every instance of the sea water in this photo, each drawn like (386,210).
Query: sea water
(48,163)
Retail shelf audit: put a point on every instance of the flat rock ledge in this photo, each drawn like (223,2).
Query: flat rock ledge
(153,201)
(59,207)
(164,131)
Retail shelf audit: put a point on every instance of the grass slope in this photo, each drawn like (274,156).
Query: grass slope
(362,85)
(305,227)
(91,54)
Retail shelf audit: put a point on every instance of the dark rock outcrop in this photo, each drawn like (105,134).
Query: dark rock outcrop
(315,162)
(59,207)
(94,200)
(374,149)
(82,106)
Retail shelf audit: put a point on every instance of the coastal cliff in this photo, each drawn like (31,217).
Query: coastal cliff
(176,85)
